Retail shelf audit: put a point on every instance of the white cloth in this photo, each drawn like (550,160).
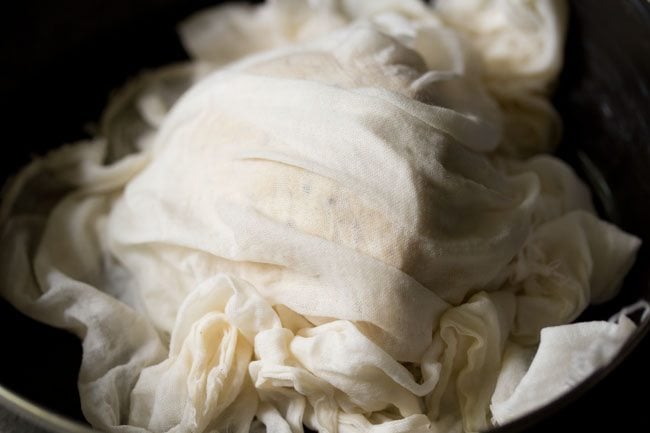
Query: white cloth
(566,356)
(329,232)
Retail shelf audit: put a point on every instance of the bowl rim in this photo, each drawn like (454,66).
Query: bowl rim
(39,415)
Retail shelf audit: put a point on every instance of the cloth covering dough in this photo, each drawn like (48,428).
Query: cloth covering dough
(324,220)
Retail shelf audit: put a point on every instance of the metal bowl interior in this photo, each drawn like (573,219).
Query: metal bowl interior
(64,58)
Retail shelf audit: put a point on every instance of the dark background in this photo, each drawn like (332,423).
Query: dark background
(60,59)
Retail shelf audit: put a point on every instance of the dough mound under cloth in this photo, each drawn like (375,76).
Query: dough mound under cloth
(338,215)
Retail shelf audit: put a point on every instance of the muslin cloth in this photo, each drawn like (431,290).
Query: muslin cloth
(337,216)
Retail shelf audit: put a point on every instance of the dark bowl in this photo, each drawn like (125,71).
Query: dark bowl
(60,60)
